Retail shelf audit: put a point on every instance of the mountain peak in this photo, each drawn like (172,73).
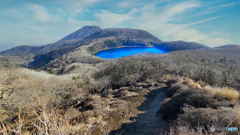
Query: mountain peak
(82,33)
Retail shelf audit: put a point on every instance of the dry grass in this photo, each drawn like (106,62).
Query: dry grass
(19,86)
(186,129)
(123,93)
(195,85)
(43,121)
(224,93)
(166,100)
(228,94)
(199,116)
(40,118)
(202,83)
(167,77)
(189,81)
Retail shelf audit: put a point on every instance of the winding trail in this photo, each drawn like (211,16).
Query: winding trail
(146,123)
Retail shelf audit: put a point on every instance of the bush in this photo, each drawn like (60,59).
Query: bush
(61,70)
(123,93)
(130,70)
(119,105)
(75,78)
(175,88)
(92,49)
(172,81)
(222,117)
(223,93)
(197,98)
(228,94)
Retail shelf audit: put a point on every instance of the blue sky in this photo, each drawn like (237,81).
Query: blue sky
(39,22)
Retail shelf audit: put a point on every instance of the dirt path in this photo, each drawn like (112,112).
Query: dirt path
(146,123)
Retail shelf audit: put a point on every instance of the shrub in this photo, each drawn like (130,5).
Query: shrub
(61,70)
(172,81)
(202,84)
(130,70)
(98,113)
(73,67)
(222,117)
(223,93)
(188,81)
(194,85)
(228,94)
(123,93)
(75,78)
(92,49)
(165,100)
(110,91)
(120,105)
(197,98)
(88,114)
(175,88)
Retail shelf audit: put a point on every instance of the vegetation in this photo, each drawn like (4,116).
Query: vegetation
(195,94)
(201,86)
(195,109)
(180,45)
(92,50)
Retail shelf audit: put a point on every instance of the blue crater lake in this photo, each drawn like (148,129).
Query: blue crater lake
(127,51)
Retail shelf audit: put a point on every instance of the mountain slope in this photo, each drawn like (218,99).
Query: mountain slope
(230,49)
(123,33)
(180,45)
(82,33)
(224,55)
(22,49)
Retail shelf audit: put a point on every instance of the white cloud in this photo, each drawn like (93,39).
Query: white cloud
(224,5)
(126,4)
(42,15)
(196,36)
(36,23)
(107,19)
(203,21)
(211,9)
(178,8)
(158,23)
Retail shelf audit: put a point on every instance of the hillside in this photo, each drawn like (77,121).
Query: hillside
(82,33)
(227,54)
(22,49)
(133,34)
(180,45)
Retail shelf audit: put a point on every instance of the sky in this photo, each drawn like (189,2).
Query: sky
(40,22)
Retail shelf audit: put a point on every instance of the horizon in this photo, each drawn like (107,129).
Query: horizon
(44,22)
